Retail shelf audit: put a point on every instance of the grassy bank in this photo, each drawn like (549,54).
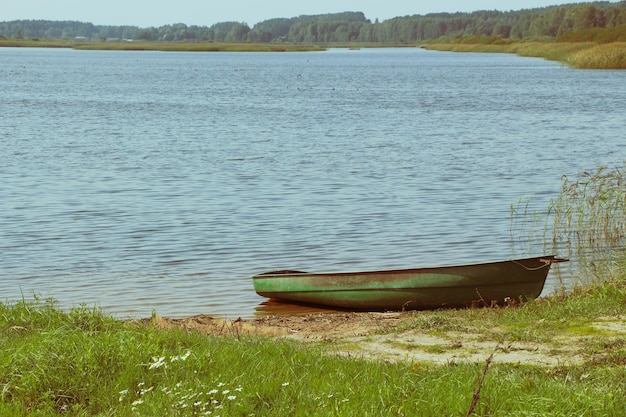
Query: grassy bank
(82,362)
(582,55)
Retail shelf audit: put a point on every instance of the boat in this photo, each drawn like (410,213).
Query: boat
(473,285)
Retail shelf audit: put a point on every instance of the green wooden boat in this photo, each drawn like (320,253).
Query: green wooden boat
(477,285)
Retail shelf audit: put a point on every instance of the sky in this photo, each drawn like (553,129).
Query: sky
(147,13)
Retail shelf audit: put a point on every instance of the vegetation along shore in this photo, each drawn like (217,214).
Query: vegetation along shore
(582,35)
(560,355)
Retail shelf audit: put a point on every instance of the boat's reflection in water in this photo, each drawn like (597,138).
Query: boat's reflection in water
(276,308)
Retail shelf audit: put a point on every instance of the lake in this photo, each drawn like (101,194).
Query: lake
(152,181)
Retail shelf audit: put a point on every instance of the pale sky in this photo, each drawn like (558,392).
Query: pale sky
(146,13)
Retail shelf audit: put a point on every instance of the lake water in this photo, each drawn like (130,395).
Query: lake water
(141,181)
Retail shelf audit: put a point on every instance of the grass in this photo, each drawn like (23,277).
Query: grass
(82,362)
(55,363)
(541,321)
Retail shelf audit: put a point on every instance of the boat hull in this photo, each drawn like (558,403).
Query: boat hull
(409,289)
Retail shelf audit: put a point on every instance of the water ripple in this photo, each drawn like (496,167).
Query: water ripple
(164,182)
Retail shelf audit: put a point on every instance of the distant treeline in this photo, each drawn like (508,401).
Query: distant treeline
(540,23)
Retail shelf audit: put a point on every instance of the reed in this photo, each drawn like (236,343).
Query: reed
(605,56)
(583,55)
(550,51)
(586,222)
(589,216)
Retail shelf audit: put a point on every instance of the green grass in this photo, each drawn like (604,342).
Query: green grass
(538,320)
(82,362)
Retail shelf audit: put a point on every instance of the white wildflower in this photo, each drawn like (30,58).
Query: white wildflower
(157,362)
(144,391)
(180,358)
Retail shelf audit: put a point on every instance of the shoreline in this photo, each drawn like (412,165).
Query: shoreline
(579,55)
(393,337)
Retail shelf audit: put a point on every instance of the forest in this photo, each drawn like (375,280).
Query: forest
(548,23)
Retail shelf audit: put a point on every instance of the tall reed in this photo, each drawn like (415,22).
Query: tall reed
(605,56)
(582,55)
(589,216)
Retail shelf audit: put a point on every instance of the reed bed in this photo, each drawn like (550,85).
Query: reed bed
(550,51)
(582,55)
(605,56)
(589,217)
(585,222)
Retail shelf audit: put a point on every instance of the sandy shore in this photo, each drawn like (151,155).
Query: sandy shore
(386,336)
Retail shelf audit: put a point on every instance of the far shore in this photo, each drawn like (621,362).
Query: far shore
(582,55)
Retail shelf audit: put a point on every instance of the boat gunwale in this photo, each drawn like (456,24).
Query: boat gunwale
(548,260)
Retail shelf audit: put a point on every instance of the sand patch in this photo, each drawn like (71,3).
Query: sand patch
(388,337)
